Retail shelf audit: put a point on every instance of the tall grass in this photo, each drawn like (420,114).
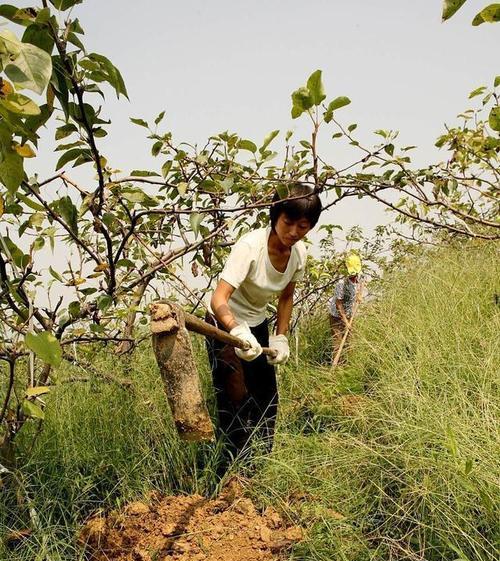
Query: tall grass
(101,446)
(393,456)
(404,442)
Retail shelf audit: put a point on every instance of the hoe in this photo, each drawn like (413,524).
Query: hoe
(174,354)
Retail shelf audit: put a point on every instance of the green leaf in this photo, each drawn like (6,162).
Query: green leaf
(74,40)
(125,263)
(111,74)
(19,258)
(247,145)
(76,27)
(91,115)
(450,7)
(208,186)
(55,274)
(43,15)
(88,291)
(497,81)
(37,390)
(104,302)
(195,220)
(477,91)
(494,118)
(46,347)
(37,219)
(19,103)
(64,5)
(65,130)
(268,139)
(61,86)
(389,149)
(227,184)
(74,308)
(39,35)
(34,122)
(316,88)
(28,66)
(159,118)
(38,243)
(69,145)
(337,103)
(144,173)
(301,101)
(134,195)
(33,410)
(490,14)
(157,146)
(95,328)
(65,207)
(69,156)
(165,168)
(140,122)
(85,158)
(11,171)
(99,132)
(13,13)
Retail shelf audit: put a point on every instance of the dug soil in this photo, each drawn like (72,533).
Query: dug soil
(190,528)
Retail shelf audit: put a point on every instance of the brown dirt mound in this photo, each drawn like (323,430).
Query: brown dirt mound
(190,528)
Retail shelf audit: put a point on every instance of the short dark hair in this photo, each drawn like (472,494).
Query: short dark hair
(307,206)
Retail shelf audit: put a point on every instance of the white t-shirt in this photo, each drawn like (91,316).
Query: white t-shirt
(254,278)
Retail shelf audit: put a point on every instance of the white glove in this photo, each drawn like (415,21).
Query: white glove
(279,343)
(242,331)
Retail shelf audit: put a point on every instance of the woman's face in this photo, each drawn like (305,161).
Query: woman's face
(290,231)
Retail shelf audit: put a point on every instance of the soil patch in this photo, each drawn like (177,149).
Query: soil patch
(190,528)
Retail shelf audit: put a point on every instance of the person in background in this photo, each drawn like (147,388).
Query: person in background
(264,264)
(342,302)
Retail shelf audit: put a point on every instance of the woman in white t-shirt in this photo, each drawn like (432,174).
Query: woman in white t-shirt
(263,265)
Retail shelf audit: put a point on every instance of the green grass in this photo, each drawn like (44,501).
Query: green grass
(415,469)
(394,456)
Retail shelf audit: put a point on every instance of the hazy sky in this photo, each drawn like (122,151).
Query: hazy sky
(232,65)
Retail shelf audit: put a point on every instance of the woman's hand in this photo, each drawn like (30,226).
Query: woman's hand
(224,316)
(279,343)
(242,331)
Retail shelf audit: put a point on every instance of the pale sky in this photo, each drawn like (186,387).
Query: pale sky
(226,64)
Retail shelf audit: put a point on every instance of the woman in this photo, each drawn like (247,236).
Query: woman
(264,264)
(342,302)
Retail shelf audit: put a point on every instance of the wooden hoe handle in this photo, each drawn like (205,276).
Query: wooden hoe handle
(201,327)
(168,317)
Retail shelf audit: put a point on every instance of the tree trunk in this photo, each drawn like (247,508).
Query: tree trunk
(174,354)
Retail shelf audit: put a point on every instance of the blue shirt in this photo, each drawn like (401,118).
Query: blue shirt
(345,290)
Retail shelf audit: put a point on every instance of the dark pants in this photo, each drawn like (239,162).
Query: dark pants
(247,396)
(338,331)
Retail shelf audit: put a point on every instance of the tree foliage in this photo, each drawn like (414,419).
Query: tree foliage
(489,14)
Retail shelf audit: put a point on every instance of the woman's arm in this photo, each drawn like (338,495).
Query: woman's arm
(285,306)
(220,307)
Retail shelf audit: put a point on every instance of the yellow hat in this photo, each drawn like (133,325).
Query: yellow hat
(353,264)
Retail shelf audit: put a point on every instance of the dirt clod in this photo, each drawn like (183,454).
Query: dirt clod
(190,528)
(137,509)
